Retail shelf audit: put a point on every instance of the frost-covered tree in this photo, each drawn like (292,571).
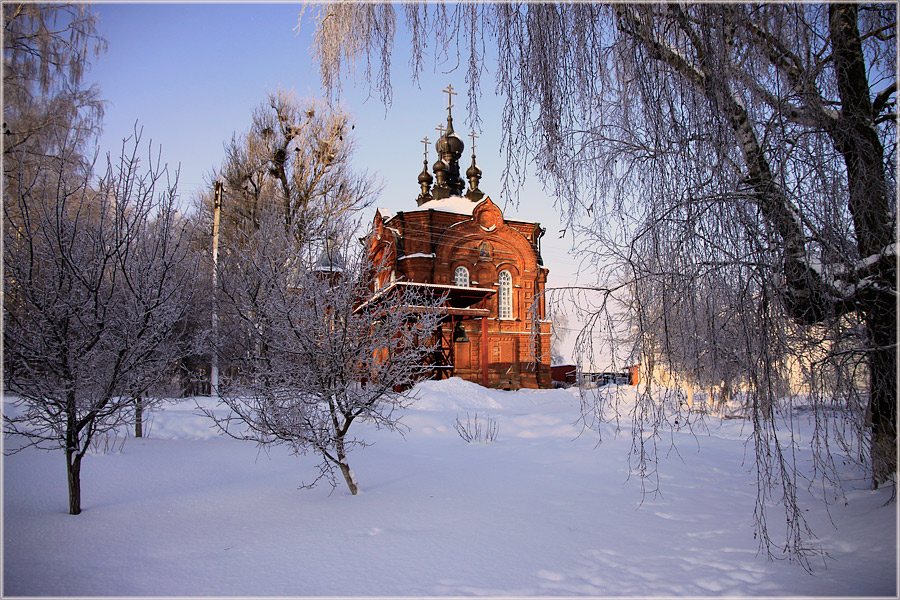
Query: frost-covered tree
(97,280)
(319,354)
(294,161)
(96,273)
(738,147)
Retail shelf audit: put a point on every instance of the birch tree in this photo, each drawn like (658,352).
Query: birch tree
(739,148)
(46,50)
(321,356)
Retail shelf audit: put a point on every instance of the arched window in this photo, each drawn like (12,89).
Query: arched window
(505,310)
(461,277)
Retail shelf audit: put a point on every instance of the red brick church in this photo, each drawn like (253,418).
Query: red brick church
(457,242)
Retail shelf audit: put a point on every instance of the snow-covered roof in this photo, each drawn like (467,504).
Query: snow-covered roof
(454,204)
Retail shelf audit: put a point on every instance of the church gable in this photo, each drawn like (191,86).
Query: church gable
(488,216)
(488,252)
(486,237)
(383,246)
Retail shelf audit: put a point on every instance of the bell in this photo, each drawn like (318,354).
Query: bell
(459,333)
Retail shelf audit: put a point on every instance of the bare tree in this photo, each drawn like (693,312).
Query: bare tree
(96,282)
(295,158)
(320,353)
(744,149)
(91,271)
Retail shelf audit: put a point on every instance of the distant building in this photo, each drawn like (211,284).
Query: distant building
(630,376)
(457,241)
(564,375)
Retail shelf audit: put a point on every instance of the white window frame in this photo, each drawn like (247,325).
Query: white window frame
(457,279)
(504,295)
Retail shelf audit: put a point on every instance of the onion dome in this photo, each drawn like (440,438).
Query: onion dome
(441,173)
(439,168)
(425,180)
(473,174)
(425,177)
(450,142)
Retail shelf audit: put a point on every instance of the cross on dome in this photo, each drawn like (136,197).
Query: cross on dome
(450,94)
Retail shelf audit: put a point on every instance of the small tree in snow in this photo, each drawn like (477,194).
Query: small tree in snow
(96,284)
(319,354)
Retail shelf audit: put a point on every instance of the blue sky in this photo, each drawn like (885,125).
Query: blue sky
(190,74)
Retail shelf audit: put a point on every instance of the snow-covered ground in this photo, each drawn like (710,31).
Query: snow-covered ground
(542,511)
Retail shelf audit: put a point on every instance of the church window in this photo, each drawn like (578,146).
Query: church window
(461,277)
(505,302)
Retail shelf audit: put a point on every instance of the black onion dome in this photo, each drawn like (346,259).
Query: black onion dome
(442,145)
(425,176)
(450,142)
(473,171)
(454,143)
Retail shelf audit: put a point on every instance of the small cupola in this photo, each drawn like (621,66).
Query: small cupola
(425,179)
(473,174)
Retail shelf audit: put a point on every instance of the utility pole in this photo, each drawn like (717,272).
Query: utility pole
(214,368)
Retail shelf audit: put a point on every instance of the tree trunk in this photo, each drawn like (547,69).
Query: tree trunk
(346,471)
(882,395)
(73,456)
(349,477)
(138,417)
(856,137)
(73,470)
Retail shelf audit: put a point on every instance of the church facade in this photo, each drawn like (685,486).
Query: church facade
(457,243)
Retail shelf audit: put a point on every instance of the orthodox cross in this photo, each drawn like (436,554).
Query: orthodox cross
(425,141)
(450,94)
(440,130)
(473,135)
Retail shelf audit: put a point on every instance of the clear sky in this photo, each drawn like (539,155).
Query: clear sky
(190,74)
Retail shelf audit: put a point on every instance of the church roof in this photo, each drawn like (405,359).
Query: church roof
(453,204)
